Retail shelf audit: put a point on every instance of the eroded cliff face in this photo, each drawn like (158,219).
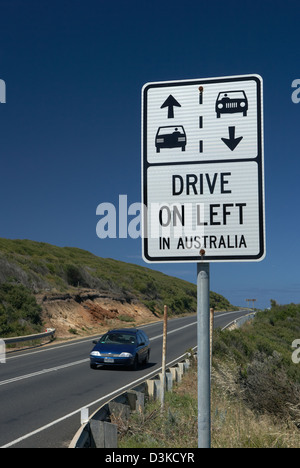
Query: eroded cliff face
(89,312)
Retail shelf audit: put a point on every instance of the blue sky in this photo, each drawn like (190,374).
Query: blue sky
(70,129)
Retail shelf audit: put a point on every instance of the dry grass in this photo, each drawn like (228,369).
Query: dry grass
(234,425)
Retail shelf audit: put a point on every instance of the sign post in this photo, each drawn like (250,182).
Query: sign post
(164,356)
(203,186)
(203,355)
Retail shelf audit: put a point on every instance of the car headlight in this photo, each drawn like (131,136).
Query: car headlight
(242,104)
(95,353)
(126,355)
(220,106)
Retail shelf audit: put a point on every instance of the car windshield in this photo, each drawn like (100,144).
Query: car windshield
(170,130)
(118,338)
(232,95)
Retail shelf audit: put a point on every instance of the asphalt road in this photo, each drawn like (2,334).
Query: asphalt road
(42,391)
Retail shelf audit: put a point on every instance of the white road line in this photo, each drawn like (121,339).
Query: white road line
(76,363)
(54,348)
(44,371)
(227,313)
(57,368)
(74,343)
(61,346)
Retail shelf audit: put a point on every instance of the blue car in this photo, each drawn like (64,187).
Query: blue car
(126,347)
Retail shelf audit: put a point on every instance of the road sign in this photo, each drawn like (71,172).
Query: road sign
(202,170)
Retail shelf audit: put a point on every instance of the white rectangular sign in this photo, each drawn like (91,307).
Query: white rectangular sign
(202,170)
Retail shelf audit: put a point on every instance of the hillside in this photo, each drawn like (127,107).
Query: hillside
(76,291)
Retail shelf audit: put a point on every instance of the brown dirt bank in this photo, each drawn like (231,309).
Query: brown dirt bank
(88,312)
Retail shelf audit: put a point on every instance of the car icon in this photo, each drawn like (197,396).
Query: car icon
(231,102)
(170,137)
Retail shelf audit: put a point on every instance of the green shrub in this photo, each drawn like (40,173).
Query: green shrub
(19,312)
(126,318)
(262,350)
(74,276)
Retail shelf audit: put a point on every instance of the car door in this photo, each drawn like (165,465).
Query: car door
(147,344)
(141,347)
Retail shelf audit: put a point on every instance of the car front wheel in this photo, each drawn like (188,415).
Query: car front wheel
(146,360)
(135,364)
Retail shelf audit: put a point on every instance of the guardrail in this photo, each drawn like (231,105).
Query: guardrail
(98,430)
(19,339)
(237,323)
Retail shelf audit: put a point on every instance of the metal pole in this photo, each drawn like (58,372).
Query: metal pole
(164,352)
(203,331)
(212,319)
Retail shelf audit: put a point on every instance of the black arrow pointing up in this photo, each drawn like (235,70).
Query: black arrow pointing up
(170,102)
(231,142)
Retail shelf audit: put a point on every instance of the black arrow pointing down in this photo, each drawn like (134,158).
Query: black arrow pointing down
(231,142)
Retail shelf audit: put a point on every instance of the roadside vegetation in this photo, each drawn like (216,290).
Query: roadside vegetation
(255,392)
(19,312)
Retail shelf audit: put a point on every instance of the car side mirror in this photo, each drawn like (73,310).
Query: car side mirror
(95,342)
